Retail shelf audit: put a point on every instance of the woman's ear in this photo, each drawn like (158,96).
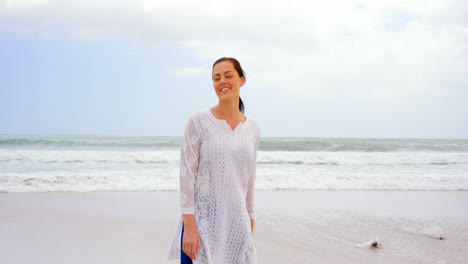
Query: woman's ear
(242,81)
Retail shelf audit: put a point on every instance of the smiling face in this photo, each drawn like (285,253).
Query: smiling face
(226,81)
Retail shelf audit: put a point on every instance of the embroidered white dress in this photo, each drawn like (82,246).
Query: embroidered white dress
(217,174)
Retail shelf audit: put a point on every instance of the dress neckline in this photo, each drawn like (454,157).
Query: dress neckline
(225,121)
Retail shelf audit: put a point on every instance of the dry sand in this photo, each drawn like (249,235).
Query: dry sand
(292,227)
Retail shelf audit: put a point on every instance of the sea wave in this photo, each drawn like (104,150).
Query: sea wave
(103,163)
(267,179)
(264,157)
(266,144)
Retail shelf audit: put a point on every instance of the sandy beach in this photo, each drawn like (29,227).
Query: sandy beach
(292,227)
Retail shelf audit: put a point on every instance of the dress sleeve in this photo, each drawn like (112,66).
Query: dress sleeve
(189,154)
(251,184)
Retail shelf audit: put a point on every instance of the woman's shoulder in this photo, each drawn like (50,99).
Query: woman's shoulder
(197,115)
(254,124)
(252,120)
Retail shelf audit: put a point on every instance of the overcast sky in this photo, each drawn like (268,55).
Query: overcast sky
(380,69)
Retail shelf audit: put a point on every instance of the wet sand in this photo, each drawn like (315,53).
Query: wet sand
(291,227)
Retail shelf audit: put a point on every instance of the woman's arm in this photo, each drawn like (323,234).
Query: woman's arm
(189,154)
(191,240)
(251,184)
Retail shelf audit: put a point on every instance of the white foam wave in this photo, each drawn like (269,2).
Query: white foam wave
(422,228)
(362,158)
(264,157)
(366,244)
(88,156)
(140,180)
(72,170)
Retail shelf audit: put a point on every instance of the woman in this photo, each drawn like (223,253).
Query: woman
(217,174)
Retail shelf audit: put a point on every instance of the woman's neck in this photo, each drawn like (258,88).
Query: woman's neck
(228,110)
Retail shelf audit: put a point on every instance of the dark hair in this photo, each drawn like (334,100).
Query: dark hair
(239,70)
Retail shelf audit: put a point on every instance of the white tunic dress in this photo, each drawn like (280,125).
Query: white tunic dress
(217,174)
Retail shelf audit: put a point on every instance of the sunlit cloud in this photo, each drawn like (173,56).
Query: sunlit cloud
(364,50)
(188,71)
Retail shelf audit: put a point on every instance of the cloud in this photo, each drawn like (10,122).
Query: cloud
(362,50)
(188,71)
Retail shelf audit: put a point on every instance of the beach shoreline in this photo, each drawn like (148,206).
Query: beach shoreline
(291,226)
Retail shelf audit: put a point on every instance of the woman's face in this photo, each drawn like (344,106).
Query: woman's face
(226,81)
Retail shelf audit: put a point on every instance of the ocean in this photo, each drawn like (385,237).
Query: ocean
(51,163)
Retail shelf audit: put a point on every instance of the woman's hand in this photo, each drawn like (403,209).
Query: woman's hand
(190,240)
(252,224)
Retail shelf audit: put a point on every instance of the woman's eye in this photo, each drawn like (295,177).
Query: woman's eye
(228,76)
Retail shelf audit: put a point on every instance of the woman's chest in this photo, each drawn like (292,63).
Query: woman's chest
(237,146)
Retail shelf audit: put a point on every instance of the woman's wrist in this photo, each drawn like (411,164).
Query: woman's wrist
(189,222)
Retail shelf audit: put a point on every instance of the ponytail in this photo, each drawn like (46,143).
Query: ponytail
(241,105)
